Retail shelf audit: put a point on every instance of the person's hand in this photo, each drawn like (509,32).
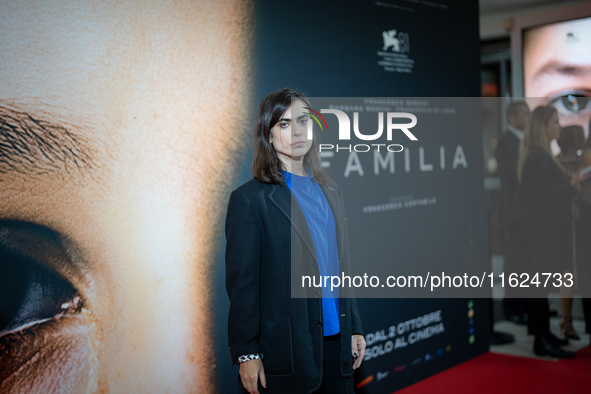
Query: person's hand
(250,372)
(357,349)
(579,179)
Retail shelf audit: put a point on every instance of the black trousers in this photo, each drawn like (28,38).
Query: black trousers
(550,249)
(538,316)
(515,262)
(334,382)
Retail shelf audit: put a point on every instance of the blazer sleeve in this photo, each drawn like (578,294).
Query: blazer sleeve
(539,173)
(243,267)
(356,326)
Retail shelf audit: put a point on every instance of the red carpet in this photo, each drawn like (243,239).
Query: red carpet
(494,373)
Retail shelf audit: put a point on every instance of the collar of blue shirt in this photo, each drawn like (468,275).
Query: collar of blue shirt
(288,176)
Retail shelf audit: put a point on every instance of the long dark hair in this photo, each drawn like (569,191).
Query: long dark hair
(266,165)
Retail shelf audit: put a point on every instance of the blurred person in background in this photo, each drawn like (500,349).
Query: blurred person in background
(571,141)
(583,238)
(544,206)
(507,153)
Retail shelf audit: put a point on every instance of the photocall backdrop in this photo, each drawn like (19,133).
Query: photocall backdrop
(356,51)
(117,142)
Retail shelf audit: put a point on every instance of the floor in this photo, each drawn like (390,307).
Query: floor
(493,373)
(514,368)
(523,344)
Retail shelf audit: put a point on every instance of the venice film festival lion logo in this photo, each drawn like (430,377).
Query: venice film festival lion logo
(399,43)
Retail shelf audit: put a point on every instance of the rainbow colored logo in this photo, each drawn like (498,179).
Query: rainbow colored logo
(316,118)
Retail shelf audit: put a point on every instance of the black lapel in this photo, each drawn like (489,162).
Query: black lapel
(283,199)
(337,211)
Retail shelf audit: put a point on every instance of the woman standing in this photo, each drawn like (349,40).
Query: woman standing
(289,218)
(583,238)
(571,141)
(543,205)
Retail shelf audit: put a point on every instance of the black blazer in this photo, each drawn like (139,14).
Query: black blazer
(507,154)
(266,232)
(545,193)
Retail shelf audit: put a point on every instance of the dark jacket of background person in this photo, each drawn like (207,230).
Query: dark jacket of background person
(571,166)
(507,155)
(543,205)
(583,243)
(266,232)
(545,192)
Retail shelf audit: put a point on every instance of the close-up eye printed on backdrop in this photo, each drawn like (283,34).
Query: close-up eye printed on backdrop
(111,186)
(557,69)
(47,336)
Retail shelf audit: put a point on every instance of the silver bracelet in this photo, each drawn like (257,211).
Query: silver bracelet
(248,357)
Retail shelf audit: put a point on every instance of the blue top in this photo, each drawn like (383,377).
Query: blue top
(321,222)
